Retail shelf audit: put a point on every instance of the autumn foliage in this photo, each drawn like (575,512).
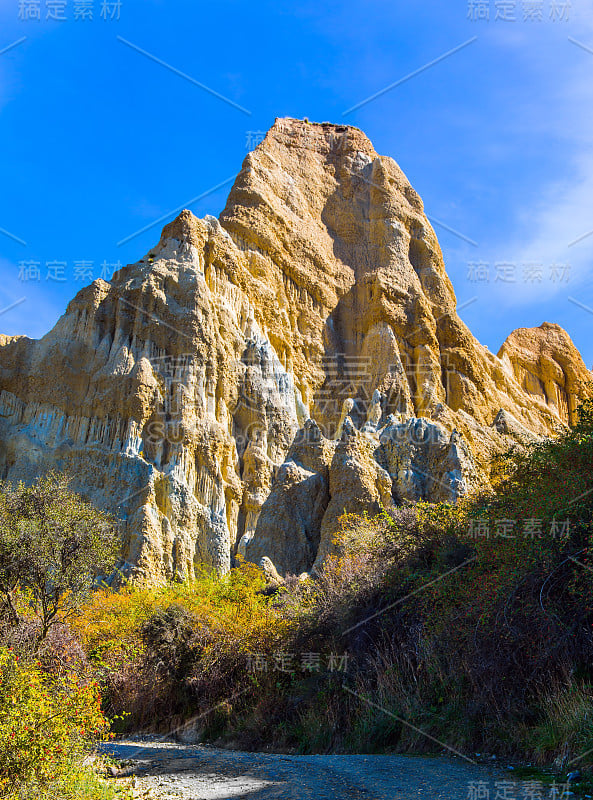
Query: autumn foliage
(470,625)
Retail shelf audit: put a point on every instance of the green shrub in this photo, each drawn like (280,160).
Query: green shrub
(53,545)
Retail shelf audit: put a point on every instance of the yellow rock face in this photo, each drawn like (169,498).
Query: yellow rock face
(177,393)
(546,364)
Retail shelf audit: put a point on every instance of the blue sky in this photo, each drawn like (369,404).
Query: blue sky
(98,140)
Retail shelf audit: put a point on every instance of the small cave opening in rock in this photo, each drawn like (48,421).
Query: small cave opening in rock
(418,254)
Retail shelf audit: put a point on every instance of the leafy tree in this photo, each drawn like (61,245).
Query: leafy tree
(53,546)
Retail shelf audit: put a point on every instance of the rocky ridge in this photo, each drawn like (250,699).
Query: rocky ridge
(254,376)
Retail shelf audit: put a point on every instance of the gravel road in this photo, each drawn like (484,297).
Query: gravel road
(175,771)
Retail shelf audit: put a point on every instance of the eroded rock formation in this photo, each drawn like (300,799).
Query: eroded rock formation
(253,377)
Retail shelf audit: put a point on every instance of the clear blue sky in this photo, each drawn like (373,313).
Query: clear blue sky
(99,141)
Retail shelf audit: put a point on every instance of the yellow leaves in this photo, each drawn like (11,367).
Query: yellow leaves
(231,607)
(109,620)
(43,721)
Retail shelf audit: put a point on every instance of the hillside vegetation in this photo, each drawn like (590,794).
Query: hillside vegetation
(466,628)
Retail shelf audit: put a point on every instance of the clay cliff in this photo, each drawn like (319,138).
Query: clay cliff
(254,376)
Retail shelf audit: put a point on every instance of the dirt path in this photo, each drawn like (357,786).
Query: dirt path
(181,772)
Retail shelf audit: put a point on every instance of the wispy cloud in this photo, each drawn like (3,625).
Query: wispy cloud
(558,232)
(556,227)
